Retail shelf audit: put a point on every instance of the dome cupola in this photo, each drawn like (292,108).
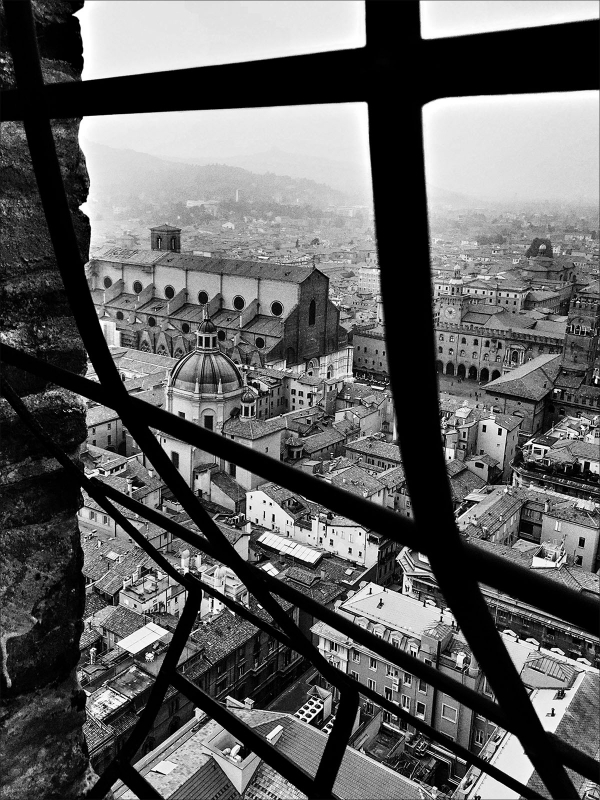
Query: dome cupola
(205,370)
(248,401)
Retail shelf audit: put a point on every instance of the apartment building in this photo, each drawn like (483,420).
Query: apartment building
(426,633)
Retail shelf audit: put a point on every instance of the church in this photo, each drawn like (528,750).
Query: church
(207,387)
(266,314)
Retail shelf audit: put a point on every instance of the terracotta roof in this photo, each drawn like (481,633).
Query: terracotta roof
(532,381)
(97,734)
(123,621)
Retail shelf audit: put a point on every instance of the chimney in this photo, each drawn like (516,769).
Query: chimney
(323,574)
(93,652)
(130,487)
(150,472)
(249,703)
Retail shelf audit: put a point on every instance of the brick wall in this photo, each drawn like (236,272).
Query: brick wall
(42,710)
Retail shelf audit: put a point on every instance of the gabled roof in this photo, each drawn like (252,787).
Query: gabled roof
(532,381)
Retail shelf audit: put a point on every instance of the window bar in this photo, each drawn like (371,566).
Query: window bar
(50,185)
(584,764)
(137,94)
(492,570)
(436,521)
(482,705)
(95,488)
(101,357)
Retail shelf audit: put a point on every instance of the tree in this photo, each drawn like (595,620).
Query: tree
(297,243)
(316,242)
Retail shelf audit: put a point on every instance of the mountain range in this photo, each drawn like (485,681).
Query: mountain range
(118,173)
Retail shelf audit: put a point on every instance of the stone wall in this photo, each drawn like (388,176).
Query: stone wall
(42,710)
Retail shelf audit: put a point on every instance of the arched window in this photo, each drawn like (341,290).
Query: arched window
(203,298)
(312,312)
(487,343)
(169,292)
(450,351)
(107,282)
(486,357)
(441,337)
(173,242)
(475,342)
(462,353)
(137,287)
(120,315)
(221,336)
(159,242)
(474,356)
(185,327)
(440,349)
(463,340)
(499,346)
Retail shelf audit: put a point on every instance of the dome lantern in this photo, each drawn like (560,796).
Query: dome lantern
(248,401)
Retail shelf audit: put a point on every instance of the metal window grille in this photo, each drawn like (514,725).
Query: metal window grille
(382,74)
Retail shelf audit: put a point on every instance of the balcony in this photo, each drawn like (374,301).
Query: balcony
(561,479)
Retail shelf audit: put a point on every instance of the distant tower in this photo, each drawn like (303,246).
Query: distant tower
(237,195)
(165,237)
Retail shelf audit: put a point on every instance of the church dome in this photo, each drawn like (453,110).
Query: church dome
(248,396)
(207,326)
(206,370)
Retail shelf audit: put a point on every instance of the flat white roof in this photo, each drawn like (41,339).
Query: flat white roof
(510,756)
(290,547)
(146,636)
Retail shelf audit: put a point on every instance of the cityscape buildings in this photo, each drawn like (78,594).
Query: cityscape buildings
(269,331)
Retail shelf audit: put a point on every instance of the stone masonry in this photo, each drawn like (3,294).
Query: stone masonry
(42,707)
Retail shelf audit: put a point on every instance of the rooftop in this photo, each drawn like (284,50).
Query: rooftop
(532,381)
(192,771)
(396,611)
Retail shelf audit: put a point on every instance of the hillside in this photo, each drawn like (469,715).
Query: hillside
(122,176)
(354,179)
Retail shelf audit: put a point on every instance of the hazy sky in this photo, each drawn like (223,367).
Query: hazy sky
(486,147)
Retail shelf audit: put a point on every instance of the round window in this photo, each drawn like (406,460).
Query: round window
(260,342)
(137,287)
(151,322)
(169,292)
(185,327)
(221,336)
(276,309)
(203,298)
(120,315)
(107,282)
(238,302)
